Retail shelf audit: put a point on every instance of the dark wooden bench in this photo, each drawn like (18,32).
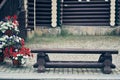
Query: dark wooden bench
(104,62)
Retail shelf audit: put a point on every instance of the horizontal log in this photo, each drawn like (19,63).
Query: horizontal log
(99,22)
(71,50)
(90,2)
(38,13)
(86,24)
(43,8)
(75,64)
(85,10)
(87,13)
(30,3)
(87,16)
(44,24)
(86,20)
(43,1)
(80,9)
(45,5)
(80,17)
(85,5)
(42,21)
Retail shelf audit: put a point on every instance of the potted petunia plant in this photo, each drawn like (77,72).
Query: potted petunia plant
(11,45)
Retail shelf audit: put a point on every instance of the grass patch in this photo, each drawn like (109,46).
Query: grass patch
(65,33)
(62,39)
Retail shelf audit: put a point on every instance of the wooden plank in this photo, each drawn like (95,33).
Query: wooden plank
(37,5)
(74,9)
(43,24)
(43,0)
(74,17)
(74,64)
(85,2)
(85,5)
(43,8)
(30,22)
(86,20)
(87,16)
(90,0)
(87,13)
(71,50)
(30,3)
(42,21)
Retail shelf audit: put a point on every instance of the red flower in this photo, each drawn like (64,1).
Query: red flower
(14,17)
(14,54)
(6,52)
(8,32)
(9,52)
(22,42)
(16,23)
(8,17)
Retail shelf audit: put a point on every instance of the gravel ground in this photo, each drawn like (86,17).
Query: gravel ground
(83,42)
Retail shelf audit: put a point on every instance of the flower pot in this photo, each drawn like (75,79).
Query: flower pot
(16,63)
(1,59)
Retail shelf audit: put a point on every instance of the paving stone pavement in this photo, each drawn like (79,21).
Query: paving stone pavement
(7,71)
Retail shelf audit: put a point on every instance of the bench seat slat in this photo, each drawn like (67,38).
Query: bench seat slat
(72,50)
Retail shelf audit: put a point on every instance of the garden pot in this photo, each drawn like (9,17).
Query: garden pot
(16,63)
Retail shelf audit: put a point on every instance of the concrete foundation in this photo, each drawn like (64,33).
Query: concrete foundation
(92,30)
(75,30)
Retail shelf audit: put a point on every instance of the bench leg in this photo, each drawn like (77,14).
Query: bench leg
(107,66)
(107,63)
(46,57)
(103,57)
(41,62)
(41,65)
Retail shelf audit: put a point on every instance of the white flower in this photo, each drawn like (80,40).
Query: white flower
(17,40)
(18,54)
(16,58)
(25,56)
(20,38)
(3,38)
(21,54)
(16,29)
(3,24)
(6,36)
(3,31)
(8,24)
(0,50)
(23,61)
(1,46)
(16,50)
(13,36)
(13,57)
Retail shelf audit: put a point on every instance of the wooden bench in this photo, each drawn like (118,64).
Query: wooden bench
(104,62)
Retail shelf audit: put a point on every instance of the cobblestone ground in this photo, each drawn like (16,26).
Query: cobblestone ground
(28,72)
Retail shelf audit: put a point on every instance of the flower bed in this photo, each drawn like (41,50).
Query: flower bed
(11,45)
